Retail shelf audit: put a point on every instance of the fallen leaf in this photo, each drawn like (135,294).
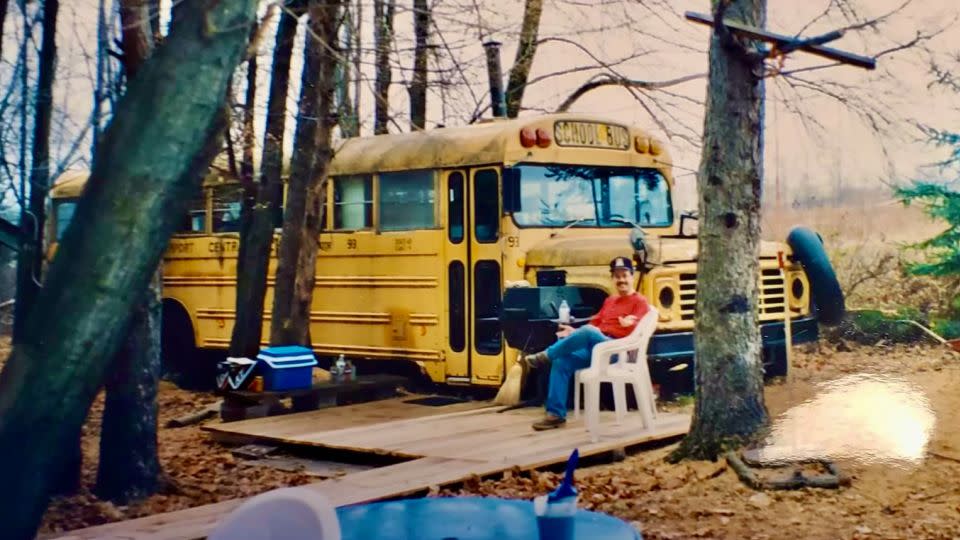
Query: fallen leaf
(760,500)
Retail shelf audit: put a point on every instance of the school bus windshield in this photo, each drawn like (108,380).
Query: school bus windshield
(592,196)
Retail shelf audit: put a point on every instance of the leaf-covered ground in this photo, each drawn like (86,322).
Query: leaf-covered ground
(201,470)
(689,500)
(707,500)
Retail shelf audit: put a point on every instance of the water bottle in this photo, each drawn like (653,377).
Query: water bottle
(350,372)
(564,312)
(339,369)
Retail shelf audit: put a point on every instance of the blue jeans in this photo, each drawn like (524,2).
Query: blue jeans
(568,355)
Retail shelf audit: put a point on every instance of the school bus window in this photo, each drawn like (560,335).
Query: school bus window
(352,202)
(195,219)
(486,199)
(63,213)
(590,196)
(642,197)
(456,289)
(407,201)
(455,208)
(486,306)
(226,208)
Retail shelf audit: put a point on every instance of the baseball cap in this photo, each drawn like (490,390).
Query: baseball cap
(621,262)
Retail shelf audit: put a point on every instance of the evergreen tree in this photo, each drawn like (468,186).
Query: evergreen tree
(940,200)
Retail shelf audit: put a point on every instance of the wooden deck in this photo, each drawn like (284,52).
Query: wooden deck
(443,448)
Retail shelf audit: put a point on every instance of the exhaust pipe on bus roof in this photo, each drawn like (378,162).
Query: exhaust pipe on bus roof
(495,75)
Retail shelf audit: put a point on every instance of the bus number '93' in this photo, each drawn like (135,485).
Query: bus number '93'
(513,241)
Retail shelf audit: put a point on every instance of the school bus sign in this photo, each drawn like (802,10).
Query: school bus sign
(591,134)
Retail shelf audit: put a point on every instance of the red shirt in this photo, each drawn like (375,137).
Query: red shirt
(616,306)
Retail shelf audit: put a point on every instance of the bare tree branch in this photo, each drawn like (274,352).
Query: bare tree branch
(608,80)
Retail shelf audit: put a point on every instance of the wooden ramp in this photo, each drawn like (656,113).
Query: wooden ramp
(443,449)
(288,427)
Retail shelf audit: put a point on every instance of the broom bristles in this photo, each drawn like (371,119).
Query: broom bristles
(509,393)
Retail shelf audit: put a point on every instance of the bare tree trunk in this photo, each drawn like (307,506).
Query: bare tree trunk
(347,119)
(30,259)
(729,407)
(249,133)
(137,37)
(418,87)
(526,50)
(4,4)
(296,267)
(246,315)
(129,467)
(153,9)
(383,11)
(357,53)
(256,237)
(32,225)
(164,135)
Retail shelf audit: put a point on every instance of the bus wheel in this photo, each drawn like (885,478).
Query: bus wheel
(181,360)
(825,290)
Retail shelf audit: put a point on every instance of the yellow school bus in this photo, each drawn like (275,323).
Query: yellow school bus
(451,248)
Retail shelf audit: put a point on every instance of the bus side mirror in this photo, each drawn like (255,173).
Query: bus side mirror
(689,215)
(511,190)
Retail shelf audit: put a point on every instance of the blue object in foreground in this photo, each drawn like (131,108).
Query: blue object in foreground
(466,518)
(566,488)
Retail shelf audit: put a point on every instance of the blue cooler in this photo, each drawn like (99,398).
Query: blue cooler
(286,368)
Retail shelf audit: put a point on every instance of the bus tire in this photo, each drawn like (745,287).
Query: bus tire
(180,357)
(825,289)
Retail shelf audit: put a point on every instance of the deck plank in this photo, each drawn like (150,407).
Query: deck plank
(445,446)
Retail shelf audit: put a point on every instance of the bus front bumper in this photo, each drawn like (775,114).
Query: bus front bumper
(671,356)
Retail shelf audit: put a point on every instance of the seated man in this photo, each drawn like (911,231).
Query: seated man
(616,319)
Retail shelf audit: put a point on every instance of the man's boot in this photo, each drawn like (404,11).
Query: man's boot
(549,422)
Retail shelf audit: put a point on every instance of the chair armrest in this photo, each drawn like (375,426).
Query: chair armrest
(635,341)
(617,345)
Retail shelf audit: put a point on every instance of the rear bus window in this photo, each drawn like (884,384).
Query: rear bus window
(226,208)
(352,202)
(195,220)
(63,214)
(407,201)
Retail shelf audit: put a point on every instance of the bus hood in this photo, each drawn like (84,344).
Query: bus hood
(599,251)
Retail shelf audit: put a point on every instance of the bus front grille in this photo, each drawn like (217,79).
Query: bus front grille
(772,295)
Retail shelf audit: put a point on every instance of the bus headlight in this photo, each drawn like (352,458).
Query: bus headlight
(799,292)
(666,297)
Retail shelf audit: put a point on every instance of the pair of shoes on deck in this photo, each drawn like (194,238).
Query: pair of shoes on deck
(549,422)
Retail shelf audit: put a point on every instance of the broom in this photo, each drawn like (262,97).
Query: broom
(509,393)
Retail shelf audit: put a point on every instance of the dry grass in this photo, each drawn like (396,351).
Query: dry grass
(866,245)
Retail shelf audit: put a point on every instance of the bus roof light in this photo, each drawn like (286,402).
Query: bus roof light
(543,138)
(528,137)
(656,147)
(641,144)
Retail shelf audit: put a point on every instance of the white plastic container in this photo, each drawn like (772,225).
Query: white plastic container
(339,369)
(564,312)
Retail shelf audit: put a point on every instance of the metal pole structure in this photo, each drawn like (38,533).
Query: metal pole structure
(497,104)
(786,44)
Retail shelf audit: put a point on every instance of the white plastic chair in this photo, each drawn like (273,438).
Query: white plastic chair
(297,513)
(631,368)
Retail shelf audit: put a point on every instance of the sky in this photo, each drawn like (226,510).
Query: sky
(817,143)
